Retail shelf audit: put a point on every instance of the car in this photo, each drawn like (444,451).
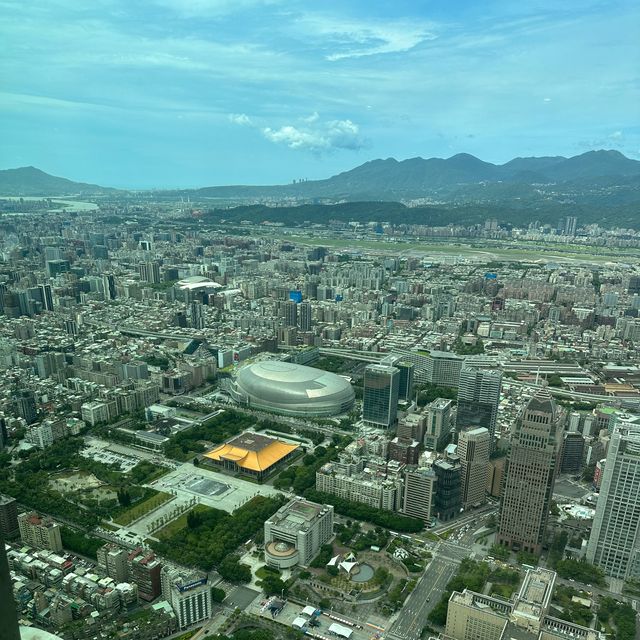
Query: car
(429,598)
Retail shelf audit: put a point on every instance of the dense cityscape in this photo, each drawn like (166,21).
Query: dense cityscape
(262,431)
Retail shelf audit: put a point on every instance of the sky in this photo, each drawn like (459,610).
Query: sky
(182,93)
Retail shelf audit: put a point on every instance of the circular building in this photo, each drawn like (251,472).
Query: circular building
(292,389)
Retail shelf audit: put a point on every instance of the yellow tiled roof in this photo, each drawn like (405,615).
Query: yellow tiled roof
(252,460)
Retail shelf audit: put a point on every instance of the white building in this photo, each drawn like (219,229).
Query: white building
(188,594)
(295,533)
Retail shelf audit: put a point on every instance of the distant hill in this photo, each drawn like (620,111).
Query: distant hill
(29,181)
(391,179)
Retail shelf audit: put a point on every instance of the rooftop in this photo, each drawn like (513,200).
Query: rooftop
(252,451)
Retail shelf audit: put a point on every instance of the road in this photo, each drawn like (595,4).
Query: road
(426,595)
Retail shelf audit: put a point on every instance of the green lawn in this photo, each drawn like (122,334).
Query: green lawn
(142,508)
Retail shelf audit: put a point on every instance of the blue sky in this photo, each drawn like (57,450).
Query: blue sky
(167,93)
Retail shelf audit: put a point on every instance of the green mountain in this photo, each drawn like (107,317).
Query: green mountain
(29,181)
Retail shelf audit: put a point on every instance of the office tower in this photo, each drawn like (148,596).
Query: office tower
(405,387)
(188,594)
(149,272)
(290,313)
(530,474)
(8,611)
(572,452)
(25,404)
(448,499)
(39,532)
(380,398)
(8,517)
(478,400)
(614,543)
(474,449)
(113,559)
(419,493)
(46,293)
(406,368)
(570,225)
(438,426)
(109,285)
(304,317)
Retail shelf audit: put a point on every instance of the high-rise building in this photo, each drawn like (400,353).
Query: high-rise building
(290,313)
(448,499)
(188,594)
(406,368)
(478,399)
(144,571)
(572,452)
(570,225)
(419,493)
(438,424)
(195,314)
(46,293)
(113,559)
(149,272)
(8,609)
(614,543)
(380,398)
(8,517)
(474,450)
(304,316)
(530,474)
(25,403)
(39,532)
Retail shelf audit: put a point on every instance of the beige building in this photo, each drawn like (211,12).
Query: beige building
(419,492)
(39,532)
(530,474)
(473,616)
(474,448)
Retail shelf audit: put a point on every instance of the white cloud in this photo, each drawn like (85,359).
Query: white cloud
(241,118)
(616,135)
(318,136)
(359,38)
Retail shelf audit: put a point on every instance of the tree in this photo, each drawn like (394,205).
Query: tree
(232,570)
(332,571)
(123,497)
(217,594)
(272,584)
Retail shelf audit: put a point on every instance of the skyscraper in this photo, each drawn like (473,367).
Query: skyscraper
(530,474)
(473,449)
(478,400)
(380,398)
(614,543)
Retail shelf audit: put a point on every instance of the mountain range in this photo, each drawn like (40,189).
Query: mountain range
(461,177)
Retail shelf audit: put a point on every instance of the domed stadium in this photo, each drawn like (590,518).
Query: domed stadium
(292,389)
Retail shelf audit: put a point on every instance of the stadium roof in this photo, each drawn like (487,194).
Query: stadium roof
(252,452)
